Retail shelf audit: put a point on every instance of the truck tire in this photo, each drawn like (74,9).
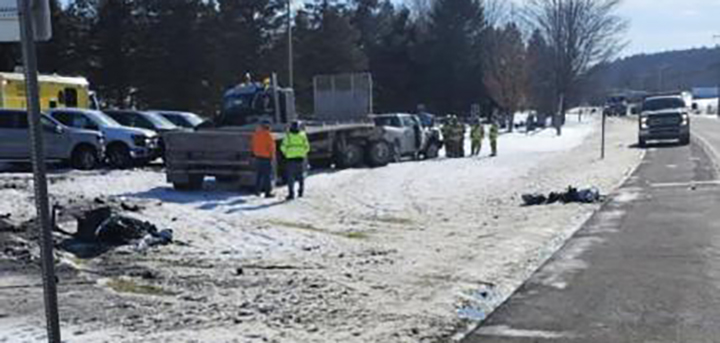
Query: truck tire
(379,154)
(195,182)
(84,157)
(118,156)
(350,157)
(432,151)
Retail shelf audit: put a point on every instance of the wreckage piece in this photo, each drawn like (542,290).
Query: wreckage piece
(101,225)
(571,195)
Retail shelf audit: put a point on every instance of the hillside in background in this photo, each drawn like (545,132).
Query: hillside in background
(665,71)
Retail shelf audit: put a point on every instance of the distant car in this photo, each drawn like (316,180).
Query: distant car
(83,149)
(664,118)
(124,145)
(408,136)
(187,120)
(145,120)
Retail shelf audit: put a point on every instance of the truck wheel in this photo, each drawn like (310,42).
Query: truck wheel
(379,154)
(84,158)
(432,151)
(119,156)
(350,157)
(195,182)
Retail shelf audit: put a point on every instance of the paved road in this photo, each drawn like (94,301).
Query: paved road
(646,268)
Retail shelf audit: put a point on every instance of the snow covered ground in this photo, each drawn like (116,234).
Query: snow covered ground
(413,252)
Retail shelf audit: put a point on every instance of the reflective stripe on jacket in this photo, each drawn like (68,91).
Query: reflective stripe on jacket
(295,145)
(263,144)
(477,132)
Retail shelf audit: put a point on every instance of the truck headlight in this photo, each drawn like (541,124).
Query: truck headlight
(139,140)
(685,119)
(644,123)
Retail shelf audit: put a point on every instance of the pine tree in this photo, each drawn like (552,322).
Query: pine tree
(541,93)
(453,77)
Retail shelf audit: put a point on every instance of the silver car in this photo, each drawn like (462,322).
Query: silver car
(124,145)
(83,149)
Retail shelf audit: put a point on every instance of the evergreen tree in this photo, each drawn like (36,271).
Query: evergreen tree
(113,47)
(541,94)
(453,56)
(173,69)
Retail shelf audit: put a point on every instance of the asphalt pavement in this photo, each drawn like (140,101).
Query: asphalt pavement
(645,268)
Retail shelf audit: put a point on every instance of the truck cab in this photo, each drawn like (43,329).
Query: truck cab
(409,136)
(664,118)
(249,103)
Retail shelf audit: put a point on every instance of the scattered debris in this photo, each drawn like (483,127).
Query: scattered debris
(571,195)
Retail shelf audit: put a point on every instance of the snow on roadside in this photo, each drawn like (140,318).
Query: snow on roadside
(400,252)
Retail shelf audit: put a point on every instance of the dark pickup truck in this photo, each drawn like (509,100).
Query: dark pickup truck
(664,118)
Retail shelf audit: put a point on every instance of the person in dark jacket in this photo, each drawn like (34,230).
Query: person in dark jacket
(295,147)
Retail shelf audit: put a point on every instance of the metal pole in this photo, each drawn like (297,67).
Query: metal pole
(290,45)
(27,35)
(602,148)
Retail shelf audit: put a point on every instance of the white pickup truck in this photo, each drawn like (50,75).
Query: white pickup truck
(408,136)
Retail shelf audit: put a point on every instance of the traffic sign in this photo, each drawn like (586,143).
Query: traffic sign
(10,20)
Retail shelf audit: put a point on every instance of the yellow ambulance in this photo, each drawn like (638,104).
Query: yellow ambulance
(55,92)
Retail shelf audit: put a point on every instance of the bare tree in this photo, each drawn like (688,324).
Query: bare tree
(580,34)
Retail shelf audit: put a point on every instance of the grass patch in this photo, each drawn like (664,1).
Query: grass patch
(130,286)
(355,235)
(312,228)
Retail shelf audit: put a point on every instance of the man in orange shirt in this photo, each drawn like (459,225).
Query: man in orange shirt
(263,149)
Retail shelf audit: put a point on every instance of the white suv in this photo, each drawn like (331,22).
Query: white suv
(124,145)
(83,149)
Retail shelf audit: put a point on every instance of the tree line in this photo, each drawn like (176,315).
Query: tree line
(444,54)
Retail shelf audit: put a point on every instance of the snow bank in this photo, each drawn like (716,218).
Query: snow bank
(395,254)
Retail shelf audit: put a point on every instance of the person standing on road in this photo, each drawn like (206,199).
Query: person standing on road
(494,132)
(477,134)
(448,131)
(295,147)
(459,136)
(263,149)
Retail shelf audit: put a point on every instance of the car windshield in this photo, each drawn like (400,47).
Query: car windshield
(659,104)
(102,119)
(387,121)
(159,122)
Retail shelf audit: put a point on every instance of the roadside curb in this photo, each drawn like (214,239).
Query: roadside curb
(463,334)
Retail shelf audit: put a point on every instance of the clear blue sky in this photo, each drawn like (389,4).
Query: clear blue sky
(660,25)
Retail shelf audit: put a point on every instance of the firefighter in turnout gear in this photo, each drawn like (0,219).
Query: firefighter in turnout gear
(477,134)
(295,147)
(494,137)
(447,131)
(460,136)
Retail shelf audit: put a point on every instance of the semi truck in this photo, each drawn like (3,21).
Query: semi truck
(221,147)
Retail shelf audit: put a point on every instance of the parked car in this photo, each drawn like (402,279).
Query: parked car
(124,145)
(664,118)
(186,120)
(83,149)
(409,136)
(144,120)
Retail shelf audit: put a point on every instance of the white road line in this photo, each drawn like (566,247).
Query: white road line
(506,331)
(685,184)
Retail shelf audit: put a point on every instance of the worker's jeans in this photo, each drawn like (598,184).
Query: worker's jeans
(263,182)
(295,172)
